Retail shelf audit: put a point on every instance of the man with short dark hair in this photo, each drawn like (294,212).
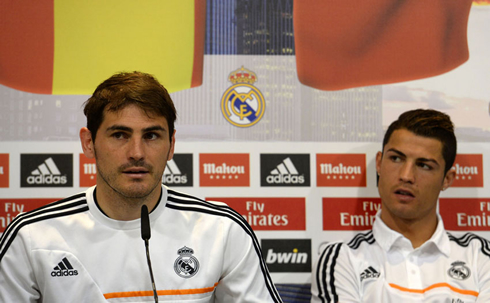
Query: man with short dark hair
(408,256)
(88,247)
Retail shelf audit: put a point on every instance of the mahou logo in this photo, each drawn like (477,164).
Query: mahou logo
(341,170)
(88,171)
(349,213)
(469,170)
(4,170)
(465,213)
(270,213)
(224,170)
(179,171)
(46,170)
(285,170)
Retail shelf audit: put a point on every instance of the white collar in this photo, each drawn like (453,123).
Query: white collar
(123,225)
(389,239)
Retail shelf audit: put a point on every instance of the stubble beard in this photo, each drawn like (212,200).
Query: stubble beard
(133,191)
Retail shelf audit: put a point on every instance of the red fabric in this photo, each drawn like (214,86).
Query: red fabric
(27,45)
(349,43)
(199,34)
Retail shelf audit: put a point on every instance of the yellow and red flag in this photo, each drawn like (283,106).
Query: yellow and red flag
(68,46)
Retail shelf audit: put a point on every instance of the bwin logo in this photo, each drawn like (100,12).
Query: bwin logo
(173,175)
(286,257)
(47,173)
(285,173)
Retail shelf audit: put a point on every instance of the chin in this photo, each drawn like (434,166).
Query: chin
(140,191)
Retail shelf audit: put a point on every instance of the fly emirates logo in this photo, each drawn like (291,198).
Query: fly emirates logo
(340,170)
(270,213)
(224,170)
(10,208)
(469,170)
(349,213)
(465,213)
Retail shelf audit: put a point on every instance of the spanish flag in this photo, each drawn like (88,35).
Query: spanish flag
(67,47)
(349,43)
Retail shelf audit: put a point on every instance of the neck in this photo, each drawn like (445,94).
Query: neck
(119,207)
(418,231)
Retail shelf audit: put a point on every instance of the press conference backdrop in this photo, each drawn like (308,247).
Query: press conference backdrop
(296,158)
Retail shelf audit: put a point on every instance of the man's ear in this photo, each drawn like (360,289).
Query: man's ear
(172,146)
(448,179)
(87,143)
(379,157)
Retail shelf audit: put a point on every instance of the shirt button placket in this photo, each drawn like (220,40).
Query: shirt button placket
(414,278)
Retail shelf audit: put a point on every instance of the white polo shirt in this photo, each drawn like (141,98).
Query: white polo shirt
(382,266)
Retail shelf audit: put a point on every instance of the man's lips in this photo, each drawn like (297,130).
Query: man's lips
(404,194)
(135,171)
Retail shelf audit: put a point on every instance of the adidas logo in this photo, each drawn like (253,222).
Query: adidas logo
(285,172)
(47,173)
(173,175)
(64,268)
(369,272)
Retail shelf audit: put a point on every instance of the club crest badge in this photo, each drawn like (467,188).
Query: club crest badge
(242,104)
(459,271)
(186,265)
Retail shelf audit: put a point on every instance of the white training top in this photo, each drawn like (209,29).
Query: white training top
(382,266)
(69,251)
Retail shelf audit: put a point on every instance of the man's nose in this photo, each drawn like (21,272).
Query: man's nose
(407,172)
(136,149)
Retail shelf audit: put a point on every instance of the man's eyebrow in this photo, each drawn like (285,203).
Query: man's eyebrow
(119,127)
(396,151)
(154,128)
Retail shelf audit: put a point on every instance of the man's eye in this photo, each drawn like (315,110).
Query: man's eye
(425,166)
(395,158)
(119,135)
(151,136)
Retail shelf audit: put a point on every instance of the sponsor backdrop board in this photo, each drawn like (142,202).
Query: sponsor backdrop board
(292,220)
(260,128)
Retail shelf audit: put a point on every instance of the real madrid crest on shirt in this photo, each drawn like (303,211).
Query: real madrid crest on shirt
(459,271)
(186,264)
(242,104)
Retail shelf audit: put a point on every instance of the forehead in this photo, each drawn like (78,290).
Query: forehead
(411,144)
(133,115)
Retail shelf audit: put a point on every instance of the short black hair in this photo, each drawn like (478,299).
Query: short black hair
(431,124)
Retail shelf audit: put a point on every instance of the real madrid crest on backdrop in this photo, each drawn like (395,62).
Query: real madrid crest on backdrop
(242,104)
(186,265)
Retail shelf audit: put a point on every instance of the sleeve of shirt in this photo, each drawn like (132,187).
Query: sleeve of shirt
(484,272)
(17,281)
(245,276)
(333,277)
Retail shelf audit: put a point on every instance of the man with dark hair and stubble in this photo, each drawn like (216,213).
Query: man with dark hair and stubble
(408,256)
(88,247)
